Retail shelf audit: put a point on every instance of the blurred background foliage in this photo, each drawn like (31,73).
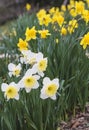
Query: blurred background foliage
(17,7)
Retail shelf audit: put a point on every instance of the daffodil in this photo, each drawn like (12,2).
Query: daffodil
(28,6)
(45,20)
(50,88)
(41,13)
(79,7)
(28,57)
(29,81)
(41,64)
(63,31)
(72,25)
(22,44)
(60,20)
(14,69)
(10,90)
(85,41)
(85,16)
(57,40)
(44,33)
(52,10)
(30,33)
(63,8)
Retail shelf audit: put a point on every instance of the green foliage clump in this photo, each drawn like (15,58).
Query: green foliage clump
(67,61)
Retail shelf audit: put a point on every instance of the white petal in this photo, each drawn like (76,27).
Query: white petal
(10,74)
(41,74)
(4,86)
(43,96)
(28,72)
(53,97)
(34,69)
(46,81)
(11,67)
(37,77)
(27,90)
(39,56)
(17,97)
(12,84)
(22,60)
(20,84)
(36,85)
(56,81)
(18,66)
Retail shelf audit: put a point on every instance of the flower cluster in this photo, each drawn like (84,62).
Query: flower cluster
(30,80)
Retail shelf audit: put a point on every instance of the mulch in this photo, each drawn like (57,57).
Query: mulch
(79,122)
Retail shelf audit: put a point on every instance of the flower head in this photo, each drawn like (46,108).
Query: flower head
(14,69)
(50,88)
(63,31)
(22,44)
(28,57)
(44,33)
(30,33)
(45,20)
(29,81)
(28,6)
(41,64)
(11,90)
(72,25)
(85,41)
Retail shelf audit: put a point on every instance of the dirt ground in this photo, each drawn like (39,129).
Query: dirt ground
(79,122)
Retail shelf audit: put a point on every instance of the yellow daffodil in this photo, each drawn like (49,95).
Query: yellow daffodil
(85,16)
(79,7)
(85,41)
(45,20)
(60,20)
(57,40)
(72,25)
(63,31)
(30,33)
(44,33)
(22,44)
(41,13)
(28,6)
(63,8)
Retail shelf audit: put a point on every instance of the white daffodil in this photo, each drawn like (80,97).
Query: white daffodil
(29,81)
(50,88)
(14,69)
(28,57)
(10,90)
(41,64)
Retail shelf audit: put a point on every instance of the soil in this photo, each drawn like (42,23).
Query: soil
(79,122)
